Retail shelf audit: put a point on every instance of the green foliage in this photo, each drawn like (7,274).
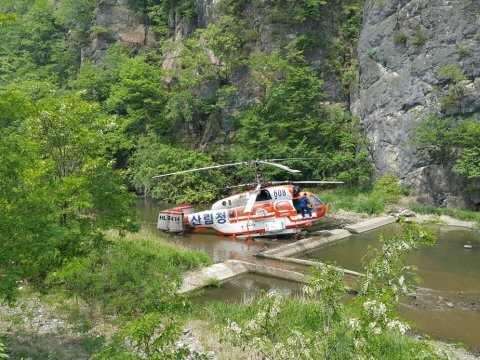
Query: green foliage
(309,9)
(137,95)
(452,138)
(103,33)
(94,81)
(76,16)
(342,58)
(150,339)
(325,325)
(6,17)
(132,275)
(388,190)
(463,50)
(288,121)
(158,12)
(154,158)
(455,213)
(363,200)
(451,74)
(3,355)
(32,46)
(226,37)
(212,282)
(399,38)
(58,192)
(420,37)
(436,133)
(469,163)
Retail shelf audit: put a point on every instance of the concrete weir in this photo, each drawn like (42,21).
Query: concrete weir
(370,224)
(198,279)
(306,244)
(230,268)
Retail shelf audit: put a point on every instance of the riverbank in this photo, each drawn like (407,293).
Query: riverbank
(41,327)
(285,252)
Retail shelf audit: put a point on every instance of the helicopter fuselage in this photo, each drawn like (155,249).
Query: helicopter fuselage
(274,212)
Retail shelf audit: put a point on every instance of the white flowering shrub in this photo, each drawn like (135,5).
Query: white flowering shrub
(324,324)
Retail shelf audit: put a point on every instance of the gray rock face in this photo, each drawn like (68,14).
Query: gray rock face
(402,46)
(123,26)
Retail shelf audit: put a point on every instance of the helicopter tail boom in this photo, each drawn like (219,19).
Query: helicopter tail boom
(172,220)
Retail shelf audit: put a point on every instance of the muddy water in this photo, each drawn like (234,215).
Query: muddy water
(447,305)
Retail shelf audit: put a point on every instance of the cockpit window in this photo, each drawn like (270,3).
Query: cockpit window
(263,196)
(315,200)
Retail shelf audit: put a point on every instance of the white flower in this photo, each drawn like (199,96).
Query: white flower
(395,324)
(375,328)
(359,343)
(354,324)
(233,326)
(401,280)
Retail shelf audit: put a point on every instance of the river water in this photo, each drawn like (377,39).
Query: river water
(446,304)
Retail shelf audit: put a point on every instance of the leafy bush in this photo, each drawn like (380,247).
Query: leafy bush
(102,32)
(388,190)
(362,200)
(133,275)
(399,38)
(451,73)
(154,158)
(147,338)
(420,37)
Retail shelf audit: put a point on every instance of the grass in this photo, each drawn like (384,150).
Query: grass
(135,274)
(212,282)
(353,199)
(465,215)
(298,314)
(96,296)
(373,203)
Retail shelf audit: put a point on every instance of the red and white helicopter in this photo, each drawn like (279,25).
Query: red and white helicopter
(271,209)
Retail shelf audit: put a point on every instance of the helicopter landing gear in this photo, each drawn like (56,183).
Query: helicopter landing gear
(300,235)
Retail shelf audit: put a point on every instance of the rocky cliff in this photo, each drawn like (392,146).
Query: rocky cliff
(402,47)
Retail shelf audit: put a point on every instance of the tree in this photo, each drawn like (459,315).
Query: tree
(58,191)
(155,158)
(289,120)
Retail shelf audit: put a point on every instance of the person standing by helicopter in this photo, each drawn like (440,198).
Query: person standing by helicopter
(304,202)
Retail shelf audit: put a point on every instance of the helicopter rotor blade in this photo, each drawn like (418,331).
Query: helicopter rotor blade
(296,158)
(305,182)
(252,162)
(283,167)
(200,169)
(251,199)
(207,191)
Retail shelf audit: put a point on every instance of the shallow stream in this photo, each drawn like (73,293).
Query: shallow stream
(446,305)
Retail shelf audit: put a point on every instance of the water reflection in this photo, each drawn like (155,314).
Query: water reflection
(244,287)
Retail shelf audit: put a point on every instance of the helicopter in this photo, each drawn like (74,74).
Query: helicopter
(270,209)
